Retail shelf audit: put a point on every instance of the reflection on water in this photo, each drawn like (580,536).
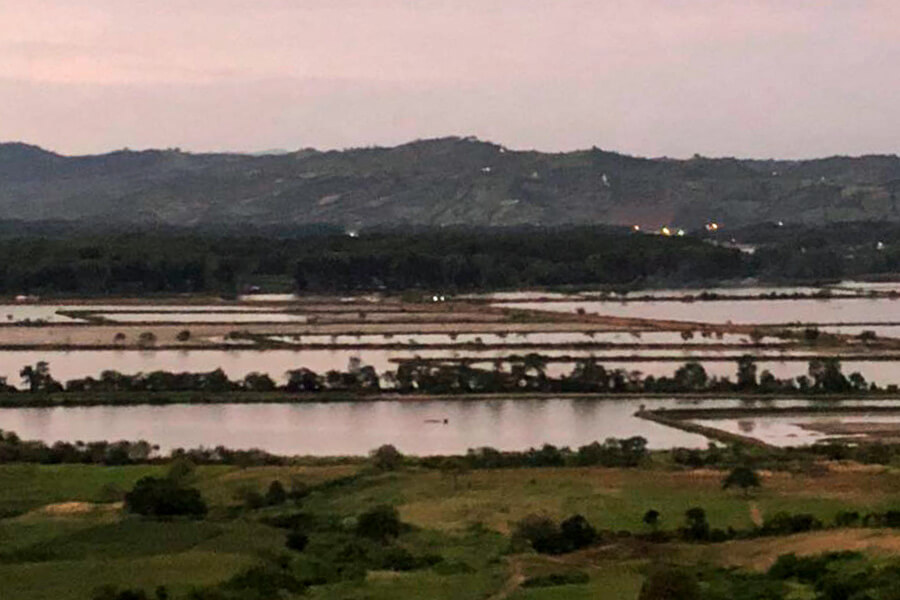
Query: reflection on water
(355,428)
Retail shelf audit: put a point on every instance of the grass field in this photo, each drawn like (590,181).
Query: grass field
(63,537)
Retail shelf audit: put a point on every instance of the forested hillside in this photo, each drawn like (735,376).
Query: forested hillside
(450,181)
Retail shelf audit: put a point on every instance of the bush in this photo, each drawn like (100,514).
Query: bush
(380,524)
(553,579)
(696,528)
(670,583)
(157,497)
(541,532)
(250,497)
(276,494)
(387,458)
(297,541)
(265,581)
(846,518)
(398,559)
(577,533)
(783,523)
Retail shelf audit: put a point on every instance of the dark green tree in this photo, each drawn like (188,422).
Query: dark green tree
(743,477)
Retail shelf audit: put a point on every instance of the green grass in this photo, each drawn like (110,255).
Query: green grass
(26,487)
(416,584)
(465,521)
(609,580)
(76,579)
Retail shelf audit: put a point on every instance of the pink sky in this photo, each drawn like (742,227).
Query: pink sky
(764,78)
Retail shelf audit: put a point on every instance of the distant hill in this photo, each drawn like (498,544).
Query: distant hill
(448,181)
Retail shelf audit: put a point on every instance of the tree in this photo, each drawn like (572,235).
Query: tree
(147,338)
(746,373)
(380,523)
(258,382)
(670,583)
(387,458)
(303,380)
(743,477)
(297,541)
(541,532)
(155,497)
(691,377)
(38,378)
(276,494)
(651,518)
(183,335)
(577,533)
(697,527)
(826,375)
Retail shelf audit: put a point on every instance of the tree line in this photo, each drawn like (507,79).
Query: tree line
(329,262)
(514,374)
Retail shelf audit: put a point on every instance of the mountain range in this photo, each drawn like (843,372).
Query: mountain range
(439,182)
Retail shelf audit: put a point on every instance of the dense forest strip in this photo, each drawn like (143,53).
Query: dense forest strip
(138,398)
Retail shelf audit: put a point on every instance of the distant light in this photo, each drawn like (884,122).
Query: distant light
(712,226)
(879,246)
(636,228)
(681,232)
(443,298)
(781,223)
(434,298)
(353,233)
(665,231)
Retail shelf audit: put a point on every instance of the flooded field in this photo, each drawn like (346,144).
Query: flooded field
(804,430)
(203,317)
(749,312)
(273,335)
(355,427)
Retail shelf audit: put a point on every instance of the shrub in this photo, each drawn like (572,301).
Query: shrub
(670,583)
(250,497)
(541,532)
(265,581)
(157,497)
(577,533)
(553,579)
(783,523)
(697,528)
(398,559)
(297,541)
(276,494)
(183,335)
(387,458)
(381,523)
(742,477)
(147,338)
(846,518)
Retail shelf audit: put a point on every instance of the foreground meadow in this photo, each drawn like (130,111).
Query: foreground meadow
(64,533)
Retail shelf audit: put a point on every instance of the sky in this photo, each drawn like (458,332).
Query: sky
(749,78)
